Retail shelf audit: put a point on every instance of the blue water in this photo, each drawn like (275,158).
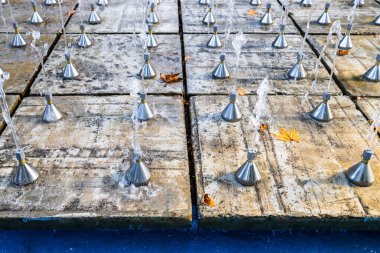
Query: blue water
(112,241)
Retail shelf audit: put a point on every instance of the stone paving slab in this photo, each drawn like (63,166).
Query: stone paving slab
(15,59)
(369,106)
(339,10)
(111,66)
(350,68)
(120,16)
(12,101)
(22,11)
(193,14)
(302,183)
(82,159)
(258,60)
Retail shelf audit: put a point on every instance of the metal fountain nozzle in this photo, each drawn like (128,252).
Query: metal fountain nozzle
(267,18)
(18,40)
(248,174)
(102,2)
(324,19)
(94,17)
(51,113)
(322,112)
(204,2)
(255,2)
(84,40)
(221,71)
(144,113)
(306,3)
(373,74)
(377,20)
(214,41)
(69,72)
(346,43)
(35,19)
(361,173)
(147,71)
(152,16)
(280,41)
(151,40)
(24,174)
(138,173)
(231,112)
(297,72)
(209,18)
(50,2)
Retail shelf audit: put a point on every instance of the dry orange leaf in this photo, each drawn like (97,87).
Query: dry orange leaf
(207,200)
(263,128)
(184,101)
(70,13)
(187,58)
(170,78)
(287,136)
(343,52)
(241,91)
(251,12)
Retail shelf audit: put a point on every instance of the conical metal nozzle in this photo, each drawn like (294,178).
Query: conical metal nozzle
(144,113)
(147,71)
(152,16)
(204,2)
(102,2)
(377,21)
(346,43)
(51,113)
(221,71)
(324,19)
(373,74)
(69,72)
(248,174)
(209,18)
(361,173)
(297,72)
(50,2)
(138,173)
(255,2)
(306,3)
(151,40)
(24,174)
(18,40)
(35,19)
(94,17)
(267,18)
(3,1)
(84,41)
(360,2)
(214,41)
(232,112)
(322,112)
(280,41)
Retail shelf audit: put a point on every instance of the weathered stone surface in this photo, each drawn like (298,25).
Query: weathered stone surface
(111,66)
(120,16)
(350,68)
(339,10)
(369,106)
(12,101)
(193,14)
(83,157)
(302,183)
(258,59)
(22,11)
(21,63)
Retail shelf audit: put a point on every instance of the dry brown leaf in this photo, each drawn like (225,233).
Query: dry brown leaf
(170,78)
(187,58)
(70,13)
(207,200)
(184,101)
(251,12)
(287,136)
(241,91)
(263,128)
(343,52)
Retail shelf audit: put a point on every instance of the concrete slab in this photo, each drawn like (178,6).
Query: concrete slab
(339,10)
(302,183)
(82,159)
(22,11)
(193,14)
(12,101)
(111,66)
(13,60)
(120,17)
(258,60)
(350,68)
